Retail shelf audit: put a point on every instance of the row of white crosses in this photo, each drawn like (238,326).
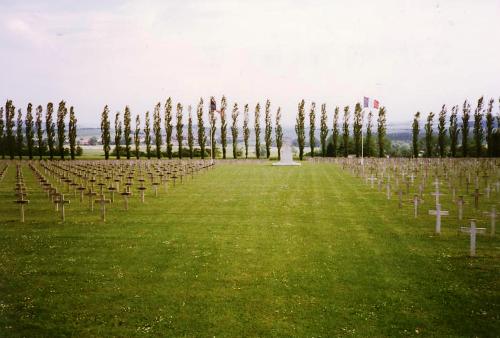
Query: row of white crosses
(83,176)
(20,191)
(470,177)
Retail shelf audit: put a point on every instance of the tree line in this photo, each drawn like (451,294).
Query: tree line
(454,137)
(127,138)
(29,138)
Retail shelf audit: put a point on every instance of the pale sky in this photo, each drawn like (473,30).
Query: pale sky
(410,55)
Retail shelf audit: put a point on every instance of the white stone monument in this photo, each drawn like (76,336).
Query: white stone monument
(286,156)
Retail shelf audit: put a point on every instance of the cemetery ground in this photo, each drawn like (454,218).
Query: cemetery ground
(244,250)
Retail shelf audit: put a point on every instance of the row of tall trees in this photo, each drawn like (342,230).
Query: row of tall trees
(340,132)
(17,136)
(453,133)
(125,135)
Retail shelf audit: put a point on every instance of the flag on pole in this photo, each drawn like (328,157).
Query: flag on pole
(375,104)
(213,104)
(366,102)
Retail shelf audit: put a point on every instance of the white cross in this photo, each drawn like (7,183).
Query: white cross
(371,179)
(493,217)
(438,213)
(473,231)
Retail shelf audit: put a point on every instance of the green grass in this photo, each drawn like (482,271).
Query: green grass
(243,250)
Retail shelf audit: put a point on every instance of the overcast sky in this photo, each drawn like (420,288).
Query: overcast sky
(410,55)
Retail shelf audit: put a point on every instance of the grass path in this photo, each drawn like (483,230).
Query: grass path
(243,250)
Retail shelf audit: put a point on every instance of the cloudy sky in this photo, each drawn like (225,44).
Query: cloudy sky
(410,55)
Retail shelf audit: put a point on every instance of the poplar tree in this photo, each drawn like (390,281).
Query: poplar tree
(30,132)
(442,131)
(2,137)
(312,127)
(147,136)
(223,126)
(179,127)
(72,132)
(137,137)
(279,132)
(357,129)
(190,138)
(62,111)
(490,121)
(381,131)
(335,131)
(415,133)
(368,146)
(453,131)
(212,119)
(11,140)
(118,134)
(50,129)
(257,130)
(105,132)
(127,129)
(428,135)
(465,128)
(323,129)
(300,128)
(234,130)
(157,130)
(168,127)
(19,134)
(202,139)
(345,128)
(478,127)
(246,129)
(268,129)
(39,131)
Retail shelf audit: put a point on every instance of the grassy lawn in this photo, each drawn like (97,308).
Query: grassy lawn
(243,250)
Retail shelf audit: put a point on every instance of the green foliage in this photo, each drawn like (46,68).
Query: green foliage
(179,127)
(428,135)
(9,131)
(127,129)
(300,129)
(278,132)
(268,129)
(157,130)
(190,137)
(118,135)
(147,136)
(223,125)
(465,128)
(2,136)
(381,131)
(50,129)
(105,132)
(368,145)
(246,129)
(72,133)
(442,131)
(478,127)
(312,127)
(137,138)
(257,130)
(201,128)
(169,126)
(335,132)
(62,111)
(489,128)
(357,129)
(234,129)
(19,134)
(454,131)
(212,120)
(30,132)
(39,131)
(323,129)
(345,129)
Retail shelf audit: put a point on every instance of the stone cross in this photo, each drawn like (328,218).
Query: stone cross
(416,203)
(112,190)
(81,188)
(126,194)
(460,204)
(476,195)
(91,194)
(103,201)
(61,201)
(438,213)
(493,216)
(141,188)
(388,190)
(473,231)
(21,201)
